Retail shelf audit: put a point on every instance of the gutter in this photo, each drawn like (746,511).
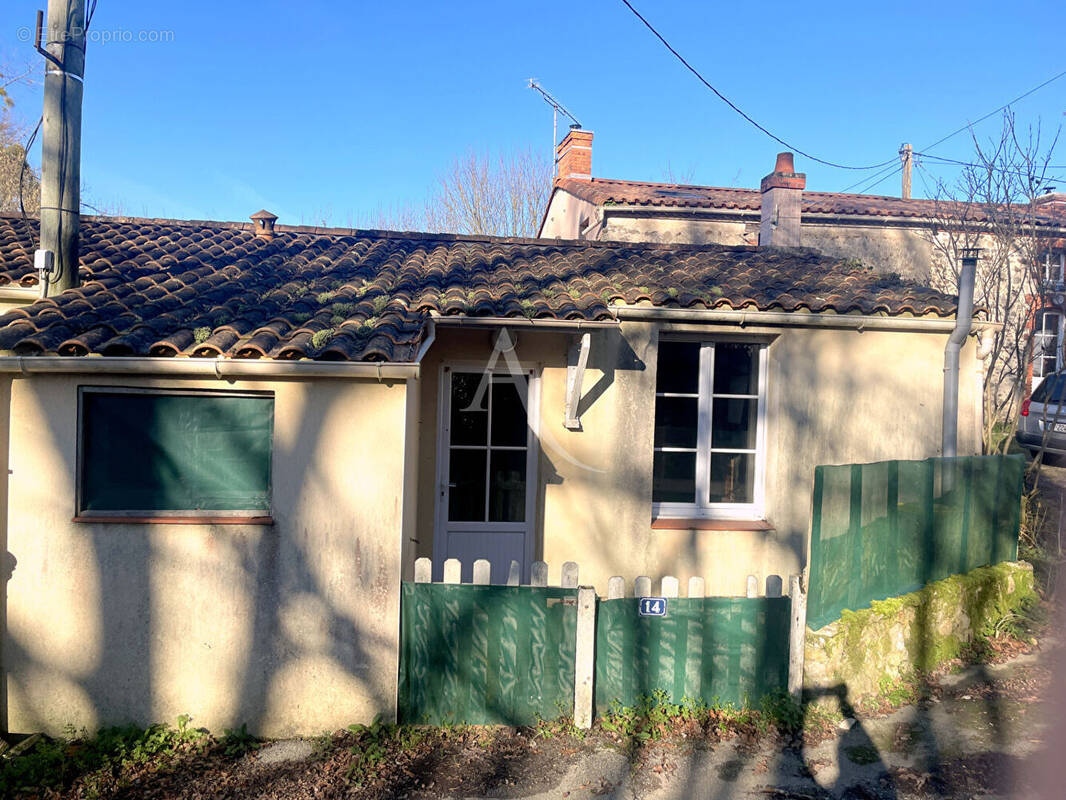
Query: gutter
(20,294)
(950,419)
(524,322)
(794,319)
(221,368)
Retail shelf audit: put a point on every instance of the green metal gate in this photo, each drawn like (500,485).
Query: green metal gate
(484,655)
(718,650)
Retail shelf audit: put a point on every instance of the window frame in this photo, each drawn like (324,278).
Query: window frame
(82,514)
(1040,335)
(1054,264)
(701,507)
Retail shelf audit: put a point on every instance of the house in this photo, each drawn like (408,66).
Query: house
(894,235)
(226,447)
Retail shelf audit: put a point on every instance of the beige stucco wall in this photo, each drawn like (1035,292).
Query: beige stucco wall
(833,397)
(901,248)
(290,628)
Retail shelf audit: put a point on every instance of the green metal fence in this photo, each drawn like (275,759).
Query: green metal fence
(884,529)
(486,654)
(718,649)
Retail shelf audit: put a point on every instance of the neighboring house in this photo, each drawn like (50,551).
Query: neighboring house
(890,234)
(226,448)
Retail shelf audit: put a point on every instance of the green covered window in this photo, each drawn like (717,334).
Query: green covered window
(174,453)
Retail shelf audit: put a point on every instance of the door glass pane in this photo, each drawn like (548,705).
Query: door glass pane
(678,368)
(468,426)
(732,477)
(509,411)
(507,487)
(674,477)
(466,497)
(675,421)
(736,368)
(733,423)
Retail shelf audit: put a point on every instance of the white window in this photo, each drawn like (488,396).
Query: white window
(710,410)
(1047,345)
(1054,267)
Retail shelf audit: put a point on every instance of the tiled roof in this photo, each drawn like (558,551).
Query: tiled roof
(167,288)
(603,191)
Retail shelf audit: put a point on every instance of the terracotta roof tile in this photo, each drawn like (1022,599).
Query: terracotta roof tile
(172,288)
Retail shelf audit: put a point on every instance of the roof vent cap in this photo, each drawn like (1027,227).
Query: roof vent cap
(264,223)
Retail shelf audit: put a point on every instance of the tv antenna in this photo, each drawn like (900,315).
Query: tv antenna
(557,108)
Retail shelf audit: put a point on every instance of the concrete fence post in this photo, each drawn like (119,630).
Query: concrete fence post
(797,637)
(584,657)
(423,570)
(514,574)
(538,574)
(695,587)
(569,575)
(616,587)
(482,571)
(669,586)
(642,586)
(453,568)
(753,586)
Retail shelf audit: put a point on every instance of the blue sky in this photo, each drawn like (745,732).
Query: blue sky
(326,112)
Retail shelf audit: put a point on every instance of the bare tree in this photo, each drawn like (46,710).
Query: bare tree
(17,178)
(480,194)
(992,205)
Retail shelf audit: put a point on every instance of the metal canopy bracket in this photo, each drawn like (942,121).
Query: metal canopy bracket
(576,360)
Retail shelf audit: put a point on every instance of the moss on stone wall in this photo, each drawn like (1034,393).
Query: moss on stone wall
(868,649)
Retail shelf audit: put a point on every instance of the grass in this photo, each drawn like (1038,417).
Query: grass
(657,717)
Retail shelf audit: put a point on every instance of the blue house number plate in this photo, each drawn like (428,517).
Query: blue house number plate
(653,606)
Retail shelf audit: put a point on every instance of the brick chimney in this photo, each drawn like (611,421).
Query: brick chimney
(573,155)
(782,197)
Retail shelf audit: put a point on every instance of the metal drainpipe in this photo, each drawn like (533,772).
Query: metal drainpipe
(963,319)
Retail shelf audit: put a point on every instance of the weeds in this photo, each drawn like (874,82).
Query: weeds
(370,748)
(237,742)
(655,717)
(53,763)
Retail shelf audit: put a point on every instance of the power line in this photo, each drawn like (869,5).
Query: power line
(733,106)
(891,168)
(969,125)
(879,181)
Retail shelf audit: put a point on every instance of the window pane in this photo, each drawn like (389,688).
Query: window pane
(509,411)
(679,367)
(145,452)
(674,478)
(468,426)
(733,423)
(507,498)
(736,368)
(675,421)
(732,477)
(466,498)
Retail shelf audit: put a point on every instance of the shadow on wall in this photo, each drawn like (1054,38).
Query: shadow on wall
(146,587)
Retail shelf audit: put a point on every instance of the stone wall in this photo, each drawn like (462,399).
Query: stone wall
(865,651)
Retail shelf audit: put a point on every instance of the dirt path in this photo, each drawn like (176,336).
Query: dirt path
(984,732)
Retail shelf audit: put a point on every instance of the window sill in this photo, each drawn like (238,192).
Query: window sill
(698,524)
(149,520)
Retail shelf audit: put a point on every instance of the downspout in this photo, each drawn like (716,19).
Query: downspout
(963,320)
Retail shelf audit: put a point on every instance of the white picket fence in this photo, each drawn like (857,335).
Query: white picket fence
(669,587)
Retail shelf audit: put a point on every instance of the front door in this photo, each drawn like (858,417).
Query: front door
(487,463)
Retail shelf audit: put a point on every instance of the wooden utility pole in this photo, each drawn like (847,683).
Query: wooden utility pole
(64,53)
(906,154)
